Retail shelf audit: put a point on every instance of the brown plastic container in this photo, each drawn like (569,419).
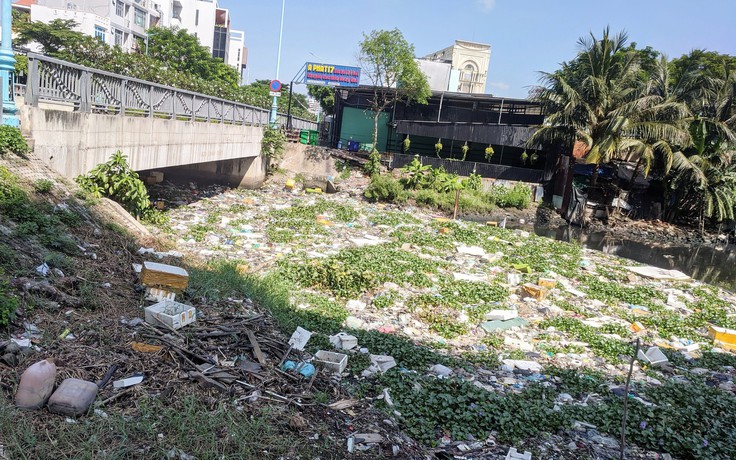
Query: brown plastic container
(36,385)
(73,397)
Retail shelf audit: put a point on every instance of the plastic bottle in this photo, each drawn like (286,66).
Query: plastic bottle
(73,397)
(36,385)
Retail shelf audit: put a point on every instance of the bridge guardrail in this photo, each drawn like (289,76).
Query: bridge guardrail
(95,91)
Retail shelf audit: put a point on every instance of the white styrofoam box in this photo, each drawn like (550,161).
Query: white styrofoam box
(516,455)
(334,362)
(344,341)
(653,356)
(159,295)
(174,314)
(501,315)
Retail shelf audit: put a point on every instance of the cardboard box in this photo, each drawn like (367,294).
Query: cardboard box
(333,362)
(174,314)
(164,276)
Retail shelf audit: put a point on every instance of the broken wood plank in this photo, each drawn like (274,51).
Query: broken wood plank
(256,347)
(207,382)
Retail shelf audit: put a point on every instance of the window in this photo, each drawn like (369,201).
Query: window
(119,8)
(139,18)
(100,33)
(119,38)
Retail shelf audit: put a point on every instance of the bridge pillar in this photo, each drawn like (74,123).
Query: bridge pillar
(7,68)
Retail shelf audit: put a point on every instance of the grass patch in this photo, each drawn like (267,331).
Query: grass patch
(153,429)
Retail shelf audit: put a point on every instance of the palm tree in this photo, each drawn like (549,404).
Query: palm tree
(704,181)
(598,99)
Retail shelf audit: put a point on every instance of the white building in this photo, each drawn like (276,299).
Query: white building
(116,22)
(237,56)
(124,22)
(465,63)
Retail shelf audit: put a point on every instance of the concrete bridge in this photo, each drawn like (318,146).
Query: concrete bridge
(77,117)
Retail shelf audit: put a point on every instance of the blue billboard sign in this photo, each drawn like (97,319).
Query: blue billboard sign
(333,75)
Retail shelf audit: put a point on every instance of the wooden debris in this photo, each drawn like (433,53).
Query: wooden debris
(256,347)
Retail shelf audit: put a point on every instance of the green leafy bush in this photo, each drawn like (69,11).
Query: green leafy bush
(12,141)
(273,143)
(43,186)
(385,188)
(116,180)
(519,196)
(8,302)
(473,182)
(373,167)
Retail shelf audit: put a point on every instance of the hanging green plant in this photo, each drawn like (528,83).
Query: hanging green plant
(524,157)
(438,147)
(489,152)
(465,149)
(406,144)
(533,158)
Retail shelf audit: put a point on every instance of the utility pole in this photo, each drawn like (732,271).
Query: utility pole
(275,103)
(7,68)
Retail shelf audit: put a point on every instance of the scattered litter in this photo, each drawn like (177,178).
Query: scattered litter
(440,371)
(299,338)
(172,314)
(333,362)
(659,273)
(145,348)
(514,454)
(493,326)
(652,356)
(128,382)
(73,397)
(344,341)
(43,269)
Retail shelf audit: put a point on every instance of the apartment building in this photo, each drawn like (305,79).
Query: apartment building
(124,22)
(462,67)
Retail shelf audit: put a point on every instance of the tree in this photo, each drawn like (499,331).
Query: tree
(325,95)
(181,51)
(56,36)
(387,60)
(598,99)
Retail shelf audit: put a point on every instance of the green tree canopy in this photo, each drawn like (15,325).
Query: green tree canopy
(600,99)
(387,60)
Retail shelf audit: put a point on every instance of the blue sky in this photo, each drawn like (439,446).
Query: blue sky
(526,36)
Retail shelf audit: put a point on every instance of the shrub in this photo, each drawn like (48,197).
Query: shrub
(12,141)
(8,302)
(43,186)
(117,181)
(519,196)
(273,143)
(385,188)
(373,167)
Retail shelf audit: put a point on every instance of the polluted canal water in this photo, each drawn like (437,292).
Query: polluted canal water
(712,264)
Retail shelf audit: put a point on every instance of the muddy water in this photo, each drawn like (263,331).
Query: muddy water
(711,264)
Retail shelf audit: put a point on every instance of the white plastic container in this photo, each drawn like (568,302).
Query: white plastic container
(73,397)
(333,362)
(174,314)
(36,385)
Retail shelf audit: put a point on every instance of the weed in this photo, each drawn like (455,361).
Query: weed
(57,260)
(12,141)
(8,301)
(43,186)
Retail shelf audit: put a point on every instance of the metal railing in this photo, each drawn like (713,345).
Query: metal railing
(465,168)
(95,91)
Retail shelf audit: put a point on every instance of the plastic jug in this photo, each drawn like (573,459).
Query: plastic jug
(73,397)
(36,385)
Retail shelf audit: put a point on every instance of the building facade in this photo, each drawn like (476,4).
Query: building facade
(124,22)
(465,63)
